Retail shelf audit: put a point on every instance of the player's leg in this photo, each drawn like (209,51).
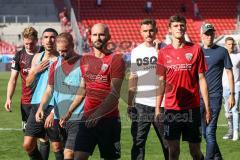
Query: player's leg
(159,129)
(79,155)
(55,136)
(108,137)
(235,115)
(33,131)
(192,132)
(212,148)
(44,147)
(174,149)
(85,142)
(72,128)
(195,151)
(172,133)
(25,112)
(139,129)
(30,146)
(228,115)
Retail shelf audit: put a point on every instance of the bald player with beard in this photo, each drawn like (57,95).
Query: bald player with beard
(103,73)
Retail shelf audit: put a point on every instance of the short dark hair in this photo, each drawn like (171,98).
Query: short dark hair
(50,30)
(229,39)
(176,18)
(149,21)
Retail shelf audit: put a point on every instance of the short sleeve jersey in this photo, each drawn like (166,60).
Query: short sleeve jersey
(143,64)
(65,77)
(181,68)
(22,63)
(98,73)
(235,58)
(217,58)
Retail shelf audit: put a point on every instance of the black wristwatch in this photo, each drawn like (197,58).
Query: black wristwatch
(232,93)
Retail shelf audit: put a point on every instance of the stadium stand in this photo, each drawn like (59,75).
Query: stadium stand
(6,48)
(123,16)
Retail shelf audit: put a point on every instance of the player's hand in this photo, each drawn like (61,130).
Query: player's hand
(132,112)
(158,117)
(157,114)
(39,115)
(64,119)
(207,116)
(157,44)
(231,101)
(49,121)
(92,121)
(41,66)
(8,105)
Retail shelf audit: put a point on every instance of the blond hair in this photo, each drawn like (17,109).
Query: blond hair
(30,33)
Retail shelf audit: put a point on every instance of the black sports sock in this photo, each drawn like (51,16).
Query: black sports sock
(44,148)
(59,155)
(35,155)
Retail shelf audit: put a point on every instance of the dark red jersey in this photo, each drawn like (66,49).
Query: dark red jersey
(22,63)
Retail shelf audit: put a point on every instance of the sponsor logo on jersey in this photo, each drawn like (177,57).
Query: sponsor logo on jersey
(93,77)
(180,67)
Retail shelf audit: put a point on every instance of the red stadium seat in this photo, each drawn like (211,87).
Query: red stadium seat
(123,17)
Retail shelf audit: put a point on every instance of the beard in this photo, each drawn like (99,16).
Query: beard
(66,56)
(99,44)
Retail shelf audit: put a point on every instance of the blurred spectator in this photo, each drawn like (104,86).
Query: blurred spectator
(196,10)
(19,37)
(64,13)
(183,8)
(148,6)
(98,3)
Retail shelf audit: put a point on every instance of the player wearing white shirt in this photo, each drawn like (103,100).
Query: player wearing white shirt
(142,91)
(232,113)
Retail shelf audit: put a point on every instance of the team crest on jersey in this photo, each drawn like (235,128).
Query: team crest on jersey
(189,56)
(104,67)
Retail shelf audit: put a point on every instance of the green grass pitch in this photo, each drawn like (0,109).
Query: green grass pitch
(11,140)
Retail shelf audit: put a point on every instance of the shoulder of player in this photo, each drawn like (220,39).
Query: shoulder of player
(19,53)
(165,49)
(35,57)
(220,49)
(137,48)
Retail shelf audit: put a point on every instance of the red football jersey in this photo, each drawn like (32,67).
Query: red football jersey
(22,63)
(181,67)
(98,73)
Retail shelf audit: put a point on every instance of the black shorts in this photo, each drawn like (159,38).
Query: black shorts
(56,133)
(25,111)
(71,128)
(106,134)
(185,122)
(36,129)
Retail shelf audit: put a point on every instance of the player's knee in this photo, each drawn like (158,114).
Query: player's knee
(57,146)
(28,147)
(68,154)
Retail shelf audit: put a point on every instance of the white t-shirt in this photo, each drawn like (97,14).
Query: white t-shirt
(143,64)
(235,58)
